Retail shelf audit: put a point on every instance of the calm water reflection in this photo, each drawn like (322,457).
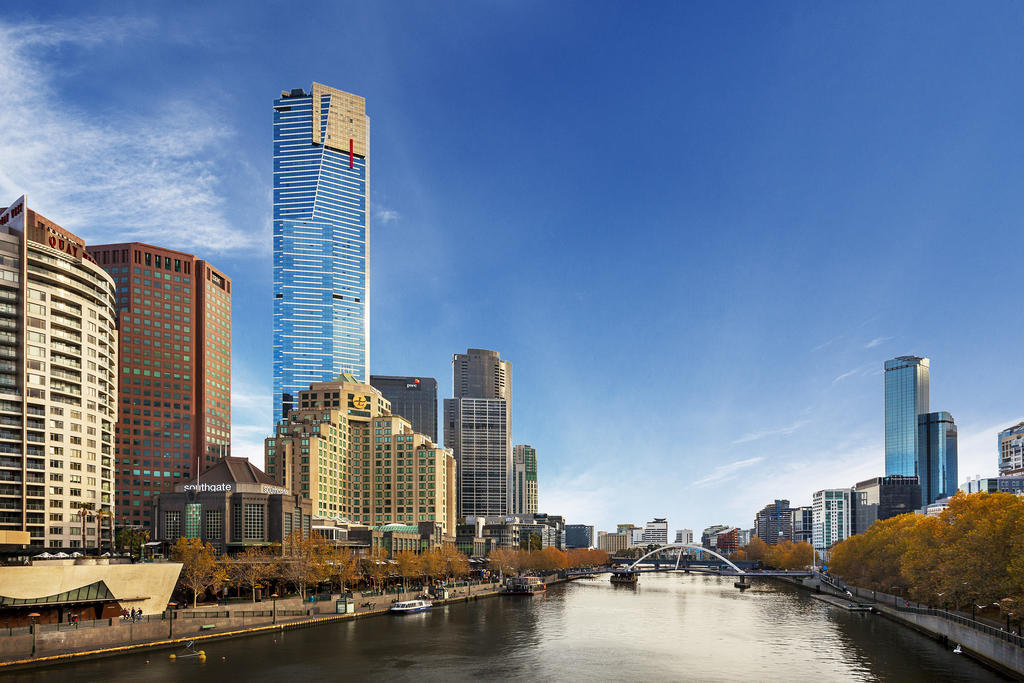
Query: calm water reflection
(671,627)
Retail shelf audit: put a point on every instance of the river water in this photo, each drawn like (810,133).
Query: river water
(670,627)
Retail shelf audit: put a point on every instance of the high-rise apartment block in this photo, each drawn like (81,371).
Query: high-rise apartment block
(524,480)
(656,531)
(478,429)
(1011,450)
(58,385)
(774,523)
(684,536)
(579,536)
(321,240)
(174,420)
(833,517)
(906,397)
(342,448)
(414,398)
(803,524)
(937,450)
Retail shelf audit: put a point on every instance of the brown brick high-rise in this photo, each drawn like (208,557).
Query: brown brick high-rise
(174,318)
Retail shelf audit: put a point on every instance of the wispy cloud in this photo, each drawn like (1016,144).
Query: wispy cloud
(726,471)
(385,215)
(845,375)
(827,343)
(782,431)
(119,174)
(876,341)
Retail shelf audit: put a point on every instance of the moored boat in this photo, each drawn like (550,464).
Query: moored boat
(410,606)
(625,578)
(523,585)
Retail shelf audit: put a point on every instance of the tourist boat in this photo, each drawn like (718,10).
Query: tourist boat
(523,585)
(625,578)
(410,606)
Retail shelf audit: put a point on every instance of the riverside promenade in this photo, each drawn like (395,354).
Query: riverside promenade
(57,643)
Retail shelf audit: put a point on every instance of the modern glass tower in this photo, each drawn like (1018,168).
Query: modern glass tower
(906,397)
(321,240)
(936,436)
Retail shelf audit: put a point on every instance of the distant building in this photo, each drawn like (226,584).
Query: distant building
(656,531)
(1006,484)
(744,536)
(232,506)
(684,536)
(832,517)
(612,543)
(1011,450)
(727,541)
(774,523)
(709,537)
(625,528)
(524,480)
(579,536)
(937,450)
(882,498)
(636,537)
(414,398)
(907,381)
(803,524)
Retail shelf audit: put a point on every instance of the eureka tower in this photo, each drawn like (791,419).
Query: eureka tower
(321,241)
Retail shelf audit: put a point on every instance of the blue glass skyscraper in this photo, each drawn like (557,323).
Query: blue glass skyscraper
(321,240)
(937,446)
(906,397)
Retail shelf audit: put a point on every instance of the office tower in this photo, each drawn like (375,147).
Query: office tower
(414,398)
(906,397)
(882,498)
(321,240)
(684,536)
(175,348)
(937,453)
(774,522)
(342,448)
(803,524)
(524,480)
(58,386)
(612,543)
(1011,450)
(579,535)
(656,531)
(832,517)
(478,429)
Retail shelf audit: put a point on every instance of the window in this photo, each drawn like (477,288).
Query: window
(214,524)
(253,521)
(172,524)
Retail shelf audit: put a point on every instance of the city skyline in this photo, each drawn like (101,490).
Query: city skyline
(726,347)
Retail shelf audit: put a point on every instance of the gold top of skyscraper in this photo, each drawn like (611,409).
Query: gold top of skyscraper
(346,120)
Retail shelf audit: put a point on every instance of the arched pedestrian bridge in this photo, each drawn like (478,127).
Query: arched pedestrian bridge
(642,565)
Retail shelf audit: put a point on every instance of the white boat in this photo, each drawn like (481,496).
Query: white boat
(410,606)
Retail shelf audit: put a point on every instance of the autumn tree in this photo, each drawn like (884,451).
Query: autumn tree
(454,563)
(250,569)
(200,569)
(503,560)
(375,566)
(306,561)
(343,567)
(408,566)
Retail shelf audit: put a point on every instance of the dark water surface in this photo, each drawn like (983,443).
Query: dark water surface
(671,627)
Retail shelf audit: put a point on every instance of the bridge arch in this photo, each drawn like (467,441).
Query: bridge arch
(692,546)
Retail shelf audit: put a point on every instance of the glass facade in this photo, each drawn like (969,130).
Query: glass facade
(906,397)
(937,446)
(321,241)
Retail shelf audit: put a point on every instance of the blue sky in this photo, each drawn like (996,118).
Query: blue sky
(696,231)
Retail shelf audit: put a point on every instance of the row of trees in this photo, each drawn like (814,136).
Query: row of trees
(971,553)
(783,555)
(550,559)
(316,562)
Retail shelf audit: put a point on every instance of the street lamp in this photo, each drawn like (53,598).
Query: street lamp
(33,616)
(274,597)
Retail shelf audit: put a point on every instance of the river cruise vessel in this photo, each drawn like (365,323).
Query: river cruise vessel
(410,606)
(625,578)
(523,585)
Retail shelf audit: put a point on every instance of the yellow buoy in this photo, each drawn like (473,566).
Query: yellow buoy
(202,657)
(172,657)
(202,653)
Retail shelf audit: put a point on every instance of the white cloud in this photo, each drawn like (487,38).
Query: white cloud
(976,449)
(386,215)
(876,341)
(782,431)
(115,174)
(727,471)
(844,376)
